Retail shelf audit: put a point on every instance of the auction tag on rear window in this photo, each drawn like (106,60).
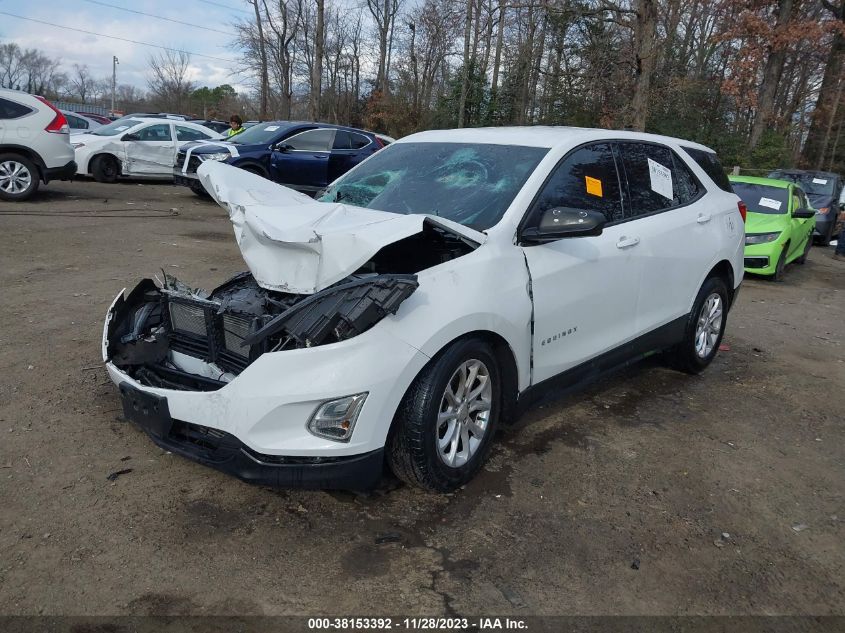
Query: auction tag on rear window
(771,204)
(661,179)
(271,128)
(120,128)
(593,186)
(819,181)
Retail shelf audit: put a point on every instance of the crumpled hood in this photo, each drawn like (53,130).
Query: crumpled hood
(292,243)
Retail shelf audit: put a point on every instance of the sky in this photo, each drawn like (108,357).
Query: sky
(72,47)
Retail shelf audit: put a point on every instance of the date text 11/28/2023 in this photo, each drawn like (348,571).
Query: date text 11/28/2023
(417,624)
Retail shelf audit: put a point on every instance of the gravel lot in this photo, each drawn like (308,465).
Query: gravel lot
(647,469)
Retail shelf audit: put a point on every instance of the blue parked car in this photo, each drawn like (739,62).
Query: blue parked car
(302,156)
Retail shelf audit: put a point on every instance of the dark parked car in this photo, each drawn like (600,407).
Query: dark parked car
(302,156)
(823,189)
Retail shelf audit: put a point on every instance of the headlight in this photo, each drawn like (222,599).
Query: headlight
(761,238)
(75,145)
(335,419)
(215,156)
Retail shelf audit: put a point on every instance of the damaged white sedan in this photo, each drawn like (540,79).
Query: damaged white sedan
(427,296)
(135,146)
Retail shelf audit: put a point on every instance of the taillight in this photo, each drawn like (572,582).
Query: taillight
(379,142)
(743,210)
(824,210)
(59,123)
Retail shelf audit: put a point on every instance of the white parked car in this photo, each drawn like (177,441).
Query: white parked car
(136,147)
(34,145)
(432,292)
(79,123)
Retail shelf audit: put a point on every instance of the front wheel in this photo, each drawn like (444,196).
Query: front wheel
(18,178)
(444,427)
(807,247)
(704,328)
(780,267)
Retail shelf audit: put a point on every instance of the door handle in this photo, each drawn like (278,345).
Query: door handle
(625,242)
(703,219)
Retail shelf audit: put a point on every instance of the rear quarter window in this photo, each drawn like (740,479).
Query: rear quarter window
(12,110)
(709,162)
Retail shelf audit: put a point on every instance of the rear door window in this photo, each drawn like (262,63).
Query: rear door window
(12,110)
(313,140)
(184,133)
(656,179)
(587,180)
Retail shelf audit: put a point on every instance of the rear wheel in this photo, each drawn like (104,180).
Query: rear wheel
(105,168)
(704,328)
(18,177)
(444,427)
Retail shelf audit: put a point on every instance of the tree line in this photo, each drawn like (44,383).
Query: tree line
(760,81)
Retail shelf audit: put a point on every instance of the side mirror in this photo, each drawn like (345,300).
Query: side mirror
(842,206)
(283,147)
(560,222)
(130,137)
(803,214)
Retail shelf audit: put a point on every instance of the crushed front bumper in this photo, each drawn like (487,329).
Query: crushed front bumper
(256,426)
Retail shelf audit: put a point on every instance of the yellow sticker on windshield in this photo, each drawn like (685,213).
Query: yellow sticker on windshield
(593,186)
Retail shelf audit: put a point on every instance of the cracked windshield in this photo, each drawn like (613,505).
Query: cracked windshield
(472,184)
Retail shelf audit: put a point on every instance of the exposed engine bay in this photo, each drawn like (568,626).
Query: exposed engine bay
(170,335)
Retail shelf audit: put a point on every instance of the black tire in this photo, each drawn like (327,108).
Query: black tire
(198,189)
(780,267)
(412,446)
(803,259)
(19,177)
(684,356)
(105,168)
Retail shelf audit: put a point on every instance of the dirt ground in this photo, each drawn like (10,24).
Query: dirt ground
(610,501)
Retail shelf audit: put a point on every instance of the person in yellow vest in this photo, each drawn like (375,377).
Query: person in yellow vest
(237,126)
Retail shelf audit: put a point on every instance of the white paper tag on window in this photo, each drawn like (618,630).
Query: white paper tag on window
(271,128)
(661,179)
(819,181)
(771,204)
(121,128)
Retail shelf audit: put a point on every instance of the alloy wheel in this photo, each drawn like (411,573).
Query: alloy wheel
(15,177)
(709,325)
(464,413)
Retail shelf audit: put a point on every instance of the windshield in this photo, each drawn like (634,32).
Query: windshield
(119,126)
(763,198)
(811,184)
(261,134)
(470,183)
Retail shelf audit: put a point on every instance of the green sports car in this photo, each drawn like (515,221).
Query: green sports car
(779,226)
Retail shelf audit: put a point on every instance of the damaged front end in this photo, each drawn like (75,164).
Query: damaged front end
(171,336)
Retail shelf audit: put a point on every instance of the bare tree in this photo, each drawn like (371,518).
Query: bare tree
(81,83)
(168,81)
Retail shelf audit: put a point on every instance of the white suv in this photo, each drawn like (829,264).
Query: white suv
(427,297)
(34,145)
